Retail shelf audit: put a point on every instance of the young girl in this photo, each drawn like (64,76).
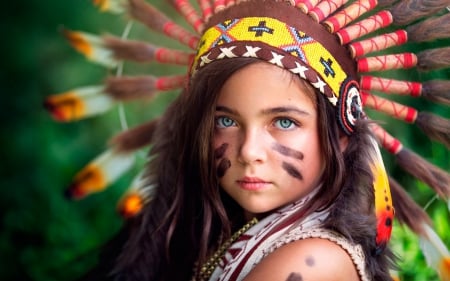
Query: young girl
(250,161)
(265,167)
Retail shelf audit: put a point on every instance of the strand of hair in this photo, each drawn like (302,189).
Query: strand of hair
(406,209)
(430,29)
(408,11)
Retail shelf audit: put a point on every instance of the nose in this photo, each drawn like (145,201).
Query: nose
(253,148)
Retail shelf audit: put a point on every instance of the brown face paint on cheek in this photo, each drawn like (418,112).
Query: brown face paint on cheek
(224,163)
(223,167)
(220,151)
(292,171)
(294,276)
(289,152)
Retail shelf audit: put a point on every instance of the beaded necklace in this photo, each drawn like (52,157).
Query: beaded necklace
(208,267)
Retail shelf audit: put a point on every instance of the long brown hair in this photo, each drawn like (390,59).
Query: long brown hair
(190,214)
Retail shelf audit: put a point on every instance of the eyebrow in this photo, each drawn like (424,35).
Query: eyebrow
(269,111)
(285,109)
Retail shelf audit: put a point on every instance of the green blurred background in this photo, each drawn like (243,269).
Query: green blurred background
(43,236)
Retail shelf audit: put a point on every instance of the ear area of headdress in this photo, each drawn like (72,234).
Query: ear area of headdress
(349,105)
(384,209)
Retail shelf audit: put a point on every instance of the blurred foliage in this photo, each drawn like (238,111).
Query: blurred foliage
(45,237)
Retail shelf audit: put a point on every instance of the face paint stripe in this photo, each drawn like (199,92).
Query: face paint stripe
(220,151)
(294,277)
(223,167)
(310,261)
(291,170)
(286,151)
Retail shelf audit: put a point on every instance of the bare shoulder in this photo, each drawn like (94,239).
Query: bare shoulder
(309,259)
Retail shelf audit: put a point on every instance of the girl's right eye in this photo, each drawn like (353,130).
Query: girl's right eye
(224,122)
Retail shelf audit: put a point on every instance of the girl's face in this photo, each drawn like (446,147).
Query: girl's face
(266,139)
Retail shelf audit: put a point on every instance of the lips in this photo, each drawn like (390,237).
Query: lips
(252,183)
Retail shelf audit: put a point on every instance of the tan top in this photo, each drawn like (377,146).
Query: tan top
(355,251)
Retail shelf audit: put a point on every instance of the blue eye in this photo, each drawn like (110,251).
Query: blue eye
(284,123)
(224,122)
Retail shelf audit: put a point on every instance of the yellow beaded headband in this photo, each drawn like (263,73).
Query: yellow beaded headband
(276,42)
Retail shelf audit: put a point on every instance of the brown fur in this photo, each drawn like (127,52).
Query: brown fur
(434,59)
(130,50)
(405,12)
(435,127)
(437,91)
(435,177)
(430,29)
(406,209)
(131,88)
(134,138)
(147,14)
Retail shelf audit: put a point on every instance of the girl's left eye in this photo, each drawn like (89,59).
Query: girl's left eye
(224,122)
(284,123)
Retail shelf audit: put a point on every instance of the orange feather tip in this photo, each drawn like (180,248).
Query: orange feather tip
(111,6)
(92,47)
(130,205)
(78,103)
(136,197)
(101,172)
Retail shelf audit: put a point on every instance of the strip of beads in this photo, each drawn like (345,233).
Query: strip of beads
(208,267)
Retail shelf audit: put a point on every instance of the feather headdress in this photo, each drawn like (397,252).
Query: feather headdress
(354,69)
